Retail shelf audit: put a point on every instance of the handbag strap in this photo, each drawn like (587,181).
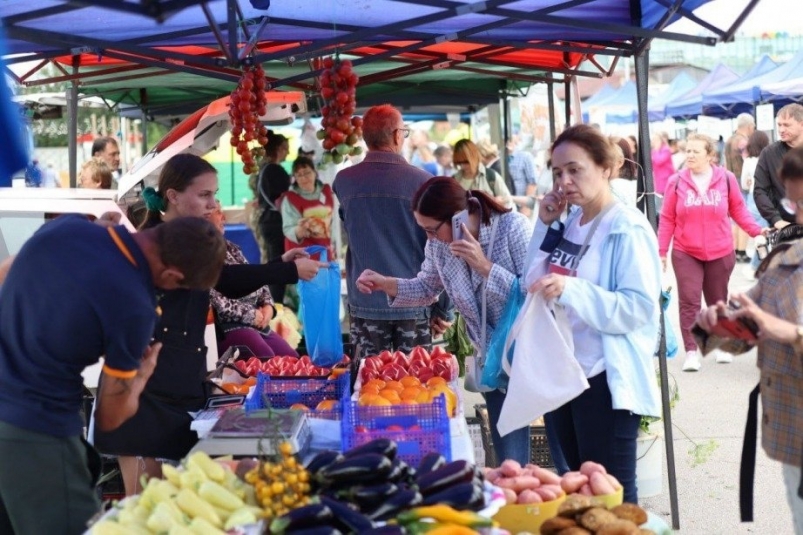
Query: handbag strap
(586,244)
(481,351)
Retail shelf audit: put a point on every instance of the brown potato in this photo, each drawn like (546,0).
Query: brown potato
(645,531)
(619,527)
(576,530)
(632,512)
(554,525)
(595,518)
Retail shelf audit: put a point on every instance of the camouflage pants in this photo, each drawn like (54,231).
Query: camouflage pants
(372,336)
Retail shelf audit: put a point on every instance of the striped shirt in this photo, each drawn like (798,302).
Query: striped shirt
(780,292)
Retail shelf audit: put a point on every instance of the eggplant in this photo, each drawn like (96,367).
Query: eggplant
(322,460)
(382,446)
(352,520)
(430,462)
(309,516)
(401,472)
(317,530)
(368,497)
(366,468)
(404,498)
(459,497)
(387,529)
(446,476)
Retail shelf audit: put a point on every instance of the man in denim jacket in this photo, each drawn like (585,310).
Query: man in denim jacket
(375,207)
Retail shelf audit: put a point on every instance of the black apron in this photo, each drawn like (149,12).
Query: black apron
(161,426)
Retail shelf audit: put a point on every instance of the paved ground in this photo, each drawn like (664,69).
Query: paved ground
(708,428)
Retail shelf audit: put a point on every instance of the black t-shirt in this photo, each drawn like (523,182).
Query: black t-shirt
(273,182)
(70,297)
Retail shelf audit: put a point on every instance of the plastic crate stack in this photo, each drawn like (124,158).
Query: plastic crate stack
(284,392)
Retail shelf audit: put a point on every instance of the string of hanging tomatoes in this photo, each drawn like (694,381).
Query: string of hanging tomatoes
(340,129)
(248,104)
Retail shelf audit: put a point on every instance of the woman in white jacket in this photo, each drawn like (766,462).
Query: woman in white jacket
(607,275)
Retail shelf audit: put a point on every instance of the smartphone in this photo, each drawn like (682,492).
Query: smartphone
(459,219)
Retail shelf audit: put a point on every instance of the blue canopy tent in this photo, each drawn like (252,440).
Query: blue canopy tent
(691,104)
(623,105)
(680,85)
(604,92)
(783,92)
(743,95)
(137,45)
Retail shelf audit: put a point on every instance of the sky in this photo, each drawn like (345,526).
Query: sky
(767,16)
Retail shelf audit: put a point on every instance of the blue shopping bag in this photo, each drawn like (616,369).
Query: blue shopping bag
(493,376)
(671,338)
(320,312)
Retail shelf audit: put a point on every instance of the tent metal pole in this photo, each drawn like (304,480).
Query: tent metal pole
(567,101)
(143,100)
(642,61)
(550,89)
(72,124)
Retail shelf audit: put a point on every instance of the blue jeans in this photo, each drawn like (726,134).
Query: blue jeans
(753,209)
(515,445)
(589,429)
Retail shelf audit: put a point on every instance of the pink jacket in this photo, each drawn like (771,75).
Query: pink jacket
(662,167)
(700,223)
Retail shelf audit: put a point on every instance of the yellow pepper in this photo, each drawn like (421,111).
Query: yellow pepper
(445,515)
(192,504)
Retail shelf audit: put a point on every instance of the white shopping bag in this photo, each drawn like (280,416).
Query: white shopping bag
(544,374)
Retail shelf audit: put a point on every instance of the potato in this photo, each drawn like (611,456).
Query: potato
(600,485)
(632,512)
(529,496)
(595,518)
(518,484)
(555,489)
(510,468)
(575,505)
(589,467)
(493,475)
(614,482)
(546,494)
(547,477)
(576,530)
(553,526)
(585,490)
(510,496)
(572,482)
(619,527)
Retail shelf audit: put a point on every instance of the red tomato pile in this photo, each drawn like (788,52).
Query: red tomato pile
(341,131)
(286,366)
(248,104)
(419,363)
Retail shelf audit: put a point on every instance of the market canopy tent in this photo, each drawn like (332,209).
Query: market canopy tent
(691,104)
(791,90)
(743,95)
(680,85)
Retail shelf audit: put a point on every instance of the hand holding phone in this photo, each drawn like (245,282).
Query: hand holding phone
(458,220)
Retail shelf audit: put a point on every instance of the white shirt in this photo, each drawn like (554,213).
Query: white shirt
(587,341)
(624,190)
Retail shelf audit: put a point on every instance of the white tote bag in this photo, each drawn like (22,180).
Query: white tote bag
(544,374)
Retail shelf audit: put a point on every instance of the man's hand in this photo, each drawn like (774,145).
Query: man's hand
(439,326)
(148,363)
(781,224)
(109,219)
(708,317)
(770,327)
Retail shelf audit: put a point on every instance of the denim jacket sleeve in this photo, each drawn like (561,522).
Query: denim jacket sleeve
(631,276)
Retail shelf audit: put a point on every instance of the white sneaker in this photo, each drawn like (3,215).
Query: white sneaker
(724,358)
(692,362)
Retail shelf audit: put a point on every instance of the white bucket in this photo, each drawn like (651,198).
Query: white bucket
(649,465)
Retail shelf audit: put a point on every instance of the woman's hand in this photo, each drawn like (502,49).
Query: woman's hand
(766,231)
(663,264)
(770,327)
(307,268)
(470,250)
(267,315)
(258,319)
(294,254)
(551,286)
(552,205)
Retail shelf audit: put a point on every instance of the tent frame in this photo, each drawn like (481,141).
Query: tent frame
(224,64)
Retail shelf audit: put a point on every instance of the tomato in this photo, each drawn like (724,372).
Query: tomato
(386,356)
(394,428)
(442,368)
(392,372)
(360,429)
(401,359)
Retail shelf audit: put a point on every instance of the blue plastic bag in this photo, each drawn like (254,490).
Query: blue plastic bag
(671,338)
(320,312)
(493,376)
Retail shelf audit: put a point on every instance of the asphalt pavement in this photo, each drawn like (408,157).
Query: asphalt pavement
(708,426)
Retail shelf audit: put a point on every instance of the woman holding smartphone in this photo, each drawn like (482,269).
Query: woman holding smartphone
(466,268)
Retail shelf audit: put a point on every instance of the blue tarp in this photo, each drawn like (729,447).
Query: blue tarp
(743,95)
(680,85)
(691,104)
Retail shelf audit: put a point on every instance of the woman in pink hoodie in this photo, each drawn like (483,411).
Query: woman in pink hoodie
(698,204)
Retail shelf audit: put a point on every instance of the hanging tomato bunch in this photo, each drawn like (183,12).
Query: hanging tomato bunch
(340,131)
(248,104)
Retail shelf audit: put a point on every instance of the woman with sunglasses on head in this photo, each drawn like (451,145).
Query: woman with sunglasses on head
(307,209)
(472,174)
(465,268)
(699,203)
